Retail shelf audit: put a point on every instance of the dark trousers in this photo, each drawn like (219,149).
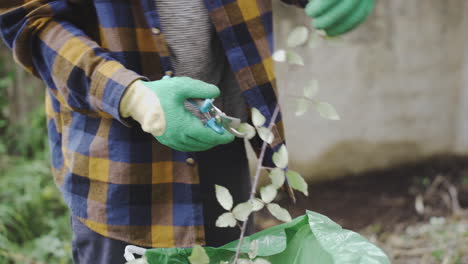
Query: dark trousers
(223,165)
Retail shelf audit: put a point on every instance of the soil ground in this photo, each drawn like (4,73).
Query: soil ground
(415,212)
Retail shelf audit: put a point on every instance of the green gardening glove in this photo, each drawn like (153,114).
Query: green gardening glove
(159,107)
(337,17)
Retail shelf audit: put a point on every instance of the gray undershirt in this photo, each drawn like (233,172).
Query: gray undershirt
(196,50)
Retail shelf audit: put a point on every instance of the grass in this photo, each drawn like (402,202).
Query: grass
(34,222)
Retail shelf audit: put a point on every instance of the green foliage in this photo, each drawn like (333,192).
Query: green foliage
(6,80)
(26,137)
(34,222)
(257,118)
(265,134)
(224,197)
(281,158)
(242,211)
(199,256)
(297,182)
(278,212)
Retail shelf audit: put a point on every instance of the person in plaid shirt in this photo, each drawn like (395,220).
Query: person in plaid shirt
(133,166)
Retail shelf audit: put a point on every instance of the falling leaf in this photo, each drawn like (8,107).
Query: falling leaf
(277,177)
(279,56)
(297,182)
(247,130)
(294,58)
(224,197)
(280,158)
(302,106)
(298,36)
(199,256)
(311,89)
(278,212)
(261,261)
(257,118)
(257,204)
(253,249)
(242,211)
(265,134)
(226,220)
(326,110)
(268,193)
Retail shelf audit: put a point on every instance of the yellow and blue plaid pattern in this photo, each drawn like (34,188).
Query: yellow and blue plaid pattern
(117,179)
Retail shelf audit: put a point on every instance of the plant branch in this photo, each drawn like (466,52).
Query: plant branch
(255,181)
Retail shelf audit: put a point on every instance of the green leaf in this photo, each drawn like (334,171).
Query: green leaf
(294,58)
(224,197)
(280,158)
(268,193)
(298,36)
(257,118)
(253,249)
(199,256)
(279,213)
(297,182)
(242,211)
(311,89)
(277,177)
(261,261)
(265,134)
(302,106)
(247,129)
(244,261)
(326,110)
(257,204)
(226,220)
(279,56)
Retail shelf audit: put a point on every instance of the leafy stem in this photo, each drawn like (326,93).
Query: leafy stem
(255,181)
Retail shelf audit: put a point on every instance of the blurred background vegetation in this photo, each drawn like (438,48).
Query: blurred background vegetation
(34,221)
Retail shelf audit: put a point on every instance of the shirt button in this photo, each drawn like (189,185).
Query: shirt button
(168,73)
(156,31)
(190,161)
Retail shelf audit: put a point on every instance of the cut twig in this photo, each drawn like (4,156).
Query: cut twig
(255,182)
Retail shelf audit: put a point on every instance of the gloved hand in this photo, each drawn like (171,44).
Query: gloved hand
(337,17)
(159,107)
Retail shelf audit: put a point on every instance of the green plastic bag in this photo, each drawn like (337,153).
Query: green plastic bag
(311,238)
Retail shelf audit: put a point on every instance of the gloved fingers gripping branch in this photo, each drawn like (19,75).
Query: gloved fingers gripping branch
(181,130)
(338,16)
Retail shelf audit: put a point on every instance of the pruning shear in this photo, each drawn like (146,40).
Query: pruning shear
(213,117)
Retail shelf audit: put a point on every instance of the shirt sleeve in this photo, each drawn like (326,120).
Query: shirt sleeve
(79,73)
(299,3)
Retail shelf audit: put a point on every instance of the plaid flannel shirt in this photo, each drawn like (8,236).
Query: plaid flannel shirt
(118,180)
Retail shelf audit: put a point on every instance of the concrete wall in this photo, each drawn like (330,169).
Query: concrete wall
(399,83)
